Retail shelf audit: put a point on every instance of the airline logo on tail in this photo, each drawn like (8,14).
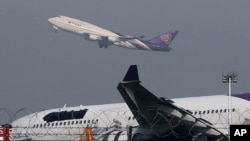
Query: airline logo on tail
(166,38)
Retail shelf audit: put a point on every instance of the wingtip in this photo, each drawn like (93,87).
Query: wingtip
(174,31)
(132,74)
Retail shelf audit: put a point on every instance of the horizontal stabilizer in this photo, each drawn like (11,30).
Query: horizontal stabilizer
(132,74)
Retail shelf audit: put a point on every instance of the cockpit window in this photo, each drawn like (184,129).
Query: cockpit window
(65,115)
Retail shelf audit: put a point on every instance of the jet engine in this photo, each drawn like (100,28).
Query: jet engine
(112,39)
(92,37)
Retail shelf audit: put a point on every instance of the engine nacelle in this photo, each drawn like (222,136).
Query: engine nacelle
(92,37)
(112,39)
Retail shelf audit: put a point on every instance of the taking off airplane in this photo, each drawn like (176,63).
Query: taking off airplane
(143,117)
(106,38)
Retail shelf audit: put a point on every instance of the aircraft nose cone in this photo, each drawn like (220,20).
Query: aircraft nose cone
(53,20)
(50,20)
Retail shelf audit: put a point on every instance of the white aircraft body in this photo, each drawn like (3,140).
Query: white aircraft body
(142,117)
(106,38)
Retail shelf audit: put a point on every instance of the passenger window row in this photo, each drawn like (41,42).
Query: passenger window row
(63,123)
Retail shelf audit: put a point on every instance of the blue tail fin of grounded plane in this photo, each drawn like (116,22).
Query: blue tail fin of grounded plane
(164,39)
(132,74)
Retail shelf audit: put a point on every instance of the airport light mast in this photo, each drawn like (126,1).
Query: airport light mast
(229,77)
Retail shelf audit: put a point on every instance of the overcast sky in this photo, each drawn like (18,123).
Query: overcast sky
(40,69)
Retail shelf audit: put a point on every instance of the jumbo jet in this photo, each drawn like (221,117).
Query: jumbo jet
(142,117)
(106,38)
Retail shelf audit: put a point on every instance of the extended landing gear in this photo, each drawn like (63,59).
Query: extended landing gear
(56,29)
(103,44)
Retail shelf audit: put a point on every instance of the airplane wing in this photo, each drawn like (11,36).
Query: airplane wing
(106,40)
(126,38)
(161,117)
(110,38)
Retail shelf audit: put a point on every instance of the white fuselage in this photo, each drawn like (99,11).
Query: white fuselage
(106,37)
(116,118)
(79,27)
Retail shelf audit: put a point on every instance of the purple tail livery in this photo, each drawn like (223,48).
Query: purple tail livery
(164,39)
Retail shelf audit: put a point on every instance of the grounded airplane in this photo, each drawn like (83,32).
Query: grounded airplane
(142,117)
(106,38)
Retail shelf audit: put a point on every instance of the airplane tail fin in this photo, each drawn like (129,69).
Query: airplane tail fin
(132,74)
(164,39)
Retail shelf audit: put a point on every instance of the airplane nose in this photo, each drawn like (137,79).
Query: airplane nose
(50,20)
(53,20)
